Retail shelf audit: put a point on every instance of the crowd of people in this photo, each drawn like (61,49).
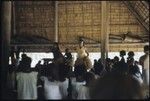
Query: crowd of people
(55,79)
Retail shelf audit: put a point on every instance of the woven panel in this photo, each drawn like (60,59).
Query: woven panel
(79,18)
(122,21)
(35,18)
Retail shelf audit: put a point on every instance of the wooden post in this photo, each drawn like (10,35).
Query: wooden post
(13,19)
(5,32)
(107,27)
(56,21)
(104,34)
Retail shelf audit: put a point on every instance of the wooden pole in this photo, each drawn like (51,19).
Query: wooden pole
(13,19)
(56,21)
(107,28)
(6,32)
(104,34)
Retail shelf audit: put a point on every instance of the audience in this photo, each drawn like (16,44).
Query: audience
(56,80)
(115,87)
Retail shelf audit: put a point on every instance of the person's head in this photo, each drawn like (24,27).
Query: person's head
(81,44)
(130,54)
(23,56)
(27,61)
(122,53)
(95,60)
(67,50)
(55,45)
(25,64)
(116,59)
(146,48)
(114,86)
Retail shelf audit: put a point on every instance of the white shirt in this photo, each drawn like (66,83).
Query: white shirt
(63,88)
(27,85)
(137,76)
(75,90)
(51,89)
(83,92)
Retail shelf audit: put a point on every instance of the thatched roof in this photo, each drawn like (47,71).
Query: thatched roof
(34,24)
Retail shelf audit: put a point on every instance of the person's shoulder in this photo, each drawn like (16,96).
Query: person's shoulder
(143,57)
(35,72)
(18,74)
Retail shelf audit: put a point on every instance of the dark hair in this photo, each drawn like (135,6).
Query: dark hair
(116,58)
(122,53)
(28,60)
(130,53)
(146,48)
(23,56)
(25,64)
(66,49)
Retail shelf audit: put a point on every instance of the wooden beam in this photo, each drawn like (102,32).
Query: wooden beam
(56,21)
(104,34)
(90,44)
(5,32)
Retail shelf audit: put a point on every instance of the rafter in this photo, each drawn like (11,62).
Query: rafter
(137,16)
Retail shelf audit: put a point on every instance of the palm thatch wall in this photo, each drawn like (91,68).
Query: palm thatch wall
(35,23)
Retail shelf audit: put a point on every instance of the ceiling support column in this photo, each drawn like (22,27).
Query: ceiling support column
(5,35)
(56,22)
(104,31)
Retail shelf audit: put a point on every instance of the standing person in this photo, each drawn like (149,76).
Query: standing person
(130,59)
(115,62)
(59,61)
(144,61)
(83,57)
(68,61)
(130,56)
(122,64)
(122,54)
(58,56)
(26,80)
(51,84)
(83,92)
